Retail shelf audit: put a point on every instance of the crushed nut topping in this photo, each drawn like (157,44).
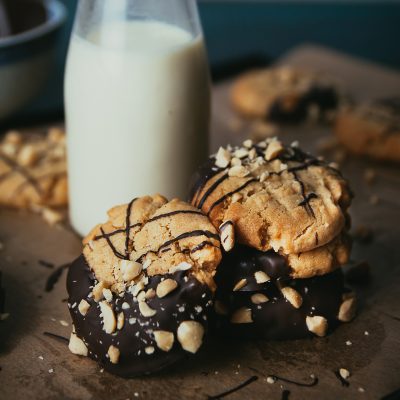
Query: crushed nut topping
(223,158)
(227,234)
(165,287)
(77,345)
(259,298)
(130,269)
(347,310)
(190,335)
(242,283)
(83,307)
(109,322)
(317,325)
(164,340)
(242,316)
(292,296)
(114,353)
(261,277)
(146,310)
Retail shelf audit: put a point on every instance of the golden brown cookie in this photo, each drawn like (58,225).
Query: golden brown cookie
(160,235)
(277,197)
(321,260)
(33,170)
(284,94)
(371,129)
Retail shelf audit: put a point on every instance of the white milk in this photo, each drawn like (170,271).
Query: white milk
(137,113)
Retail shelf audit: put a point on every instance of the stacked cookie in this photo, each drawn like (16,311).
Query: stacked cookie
(282,216)
(141,292)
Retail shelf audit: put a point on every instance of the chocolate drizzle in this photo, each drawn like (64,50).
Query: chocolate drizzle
(306,198)
(128,227)
(292,154)
(54,277)
(114,250)
(211,189)
(201,246)
(235,389)
(223,198)
(170,214)
(186,235)
(22,171)
(57,337)
(314,381)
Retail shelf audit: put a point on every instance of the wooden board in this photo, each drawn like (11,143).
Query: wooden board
(35,366)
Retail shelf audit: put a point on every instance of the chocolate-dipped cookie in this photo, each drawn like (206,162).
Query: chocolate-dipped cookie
(140,293)
(285,94)
(256,297)
(279,198)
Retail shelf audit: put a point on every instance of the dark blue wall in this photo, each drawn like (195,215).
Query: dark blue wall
(235,29)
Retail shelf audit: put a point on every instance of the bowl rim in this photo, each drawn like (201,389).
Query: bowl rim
(56,15)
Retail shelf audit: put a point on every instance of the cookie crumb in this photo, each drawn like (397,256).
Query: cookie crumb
(348,343)
(344,373)
(51,370)
(366,333)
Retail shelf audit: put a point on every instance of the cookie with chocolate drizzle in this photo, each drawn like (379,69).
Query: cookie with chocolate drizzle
(371,129)
(33,169)
(140,293)
(278,198)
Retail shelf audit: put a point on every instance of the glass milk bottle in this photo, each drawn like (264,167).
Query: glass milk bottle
(137,102)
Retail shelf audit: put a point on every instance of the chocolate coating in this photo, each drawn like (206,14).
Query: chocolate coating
(325,97)
(276,319)
(190,301)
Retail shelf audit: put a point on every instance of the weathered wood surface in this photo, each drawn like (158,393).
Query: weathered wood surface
(373,359)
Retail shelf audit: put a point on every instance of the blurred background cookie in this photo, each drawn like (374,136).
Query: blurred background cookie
(371,129)
(285,94)
(33,169)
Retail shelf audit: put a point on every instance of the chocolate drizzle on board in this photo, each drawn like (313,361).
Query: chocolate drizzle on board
(235,389)
(314,381)
(54,277)
(57,337)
